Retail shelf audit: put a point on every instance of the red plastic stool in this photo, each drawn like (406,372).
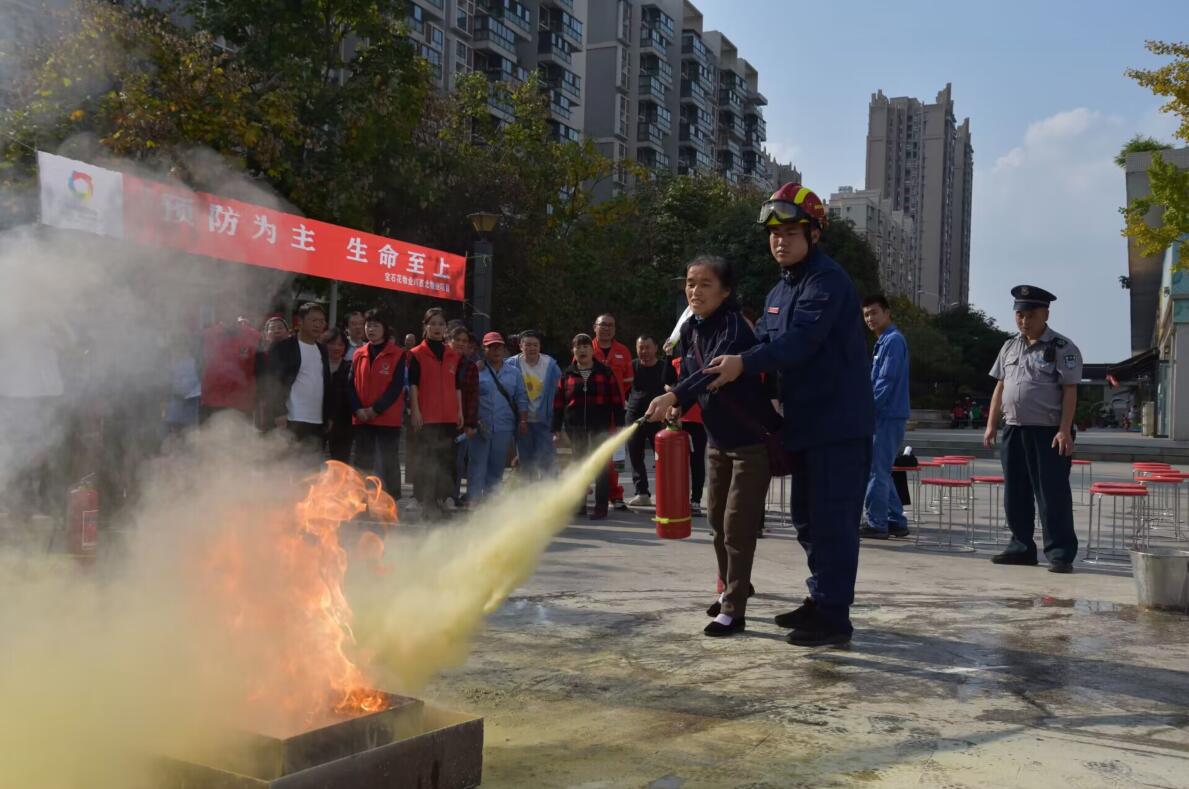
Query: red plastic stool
(924,464)
(1128,502)
(945,522)
(994,485)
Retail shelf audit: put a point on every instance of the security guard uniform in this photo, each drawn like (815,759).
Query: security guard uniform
(1034,376)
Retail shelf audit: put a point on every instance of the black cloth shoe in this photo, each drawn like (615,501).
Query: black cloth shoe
(716,607)
(819,635)
(791,620)
(1058,566)
(620,505)
(897,531)
(1015,557)
(872,533)
(715,630)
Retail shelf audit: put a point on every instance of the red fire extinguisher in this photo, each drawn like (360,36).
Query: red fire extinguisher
(672,483)
(82,518)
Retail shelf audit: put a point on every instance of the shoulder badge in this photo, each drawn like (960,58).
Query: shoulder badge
(1061,342)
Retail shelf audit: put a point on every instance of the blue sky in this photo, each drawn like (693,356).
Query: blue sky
(1049,106)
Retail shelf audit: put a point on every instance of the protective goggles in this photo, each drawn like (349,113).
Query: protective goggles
(781,212)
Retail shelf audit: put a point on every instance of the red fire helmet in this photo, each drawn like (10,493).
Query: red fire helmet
(793,203)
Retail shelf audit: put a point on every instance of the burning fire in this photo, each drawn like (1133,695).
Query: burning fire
(283,579)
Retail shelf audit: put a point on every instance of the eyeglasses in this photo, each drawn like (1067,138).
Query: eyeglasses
(779,212)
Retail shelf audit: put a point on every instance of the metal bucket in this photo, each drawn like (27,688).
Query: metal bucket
(1162,578)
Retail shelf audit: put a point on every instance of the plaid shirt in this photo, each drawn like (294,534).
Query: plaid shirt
(588,405)
(468,383)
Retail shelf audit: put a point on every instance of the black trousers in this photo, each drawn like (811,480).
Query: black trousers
(645,435)
(433,480)
(697,459)
(582,443)
(1036,479)
(828,486)
(377,450)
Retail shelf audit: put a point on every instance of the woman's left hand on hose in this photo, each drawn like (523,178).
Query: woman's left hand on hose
(658,409)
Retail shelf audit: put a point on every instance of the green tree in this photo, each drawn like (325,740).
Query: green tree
(144,90)
(1169,184)
(1138,144)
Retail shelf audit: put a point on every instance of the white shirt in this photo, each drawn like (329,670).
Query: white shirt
(534,383)
(305,398)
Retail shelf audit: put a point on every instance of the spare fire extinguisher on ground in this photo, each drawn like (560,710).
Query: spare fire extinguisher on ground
(82,518)
(672,483)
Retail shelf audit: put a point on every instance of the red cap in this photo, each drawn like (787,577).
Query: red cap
(493,338)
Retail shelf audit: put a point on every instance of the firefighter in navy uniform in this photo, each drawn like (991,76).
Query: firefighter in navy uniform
(1038,372)
(812,333)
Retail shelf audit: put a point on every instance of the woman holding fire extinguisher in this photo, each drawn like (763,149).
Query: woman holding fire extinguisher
(738,419)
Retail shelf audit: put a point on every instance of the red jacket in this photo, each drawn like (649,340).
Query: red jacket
(619,359)
(229,367)
(373,378)
(587,405)
(437,386)
(694,412)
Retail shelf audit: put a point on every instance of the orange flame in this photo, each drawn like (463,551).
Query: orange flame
(280,587)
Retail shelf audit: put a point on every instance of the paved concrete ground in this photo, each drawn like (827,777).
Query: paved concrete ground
(961,674)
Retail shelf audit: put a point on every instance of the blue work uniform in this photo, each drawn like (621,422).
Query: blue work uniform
(812,333)
(889,385)
(1035,474)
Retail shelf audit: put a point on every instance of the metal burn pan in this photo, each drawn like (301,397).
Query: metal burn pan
(411,744)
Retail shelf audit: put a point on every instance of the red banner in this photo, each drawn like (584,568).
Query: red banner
(205,224)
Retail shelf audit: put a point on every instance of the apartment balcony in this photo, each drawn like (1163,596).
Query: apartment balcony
(732,124)
(652,40)
(652,88)
(729,97)
(436,8)
(492,35)
(560,107)
(727,144)
(416,27)
(653,159)
(566,4)
(552,48)
(499,105)
(564,24)
(650,134)
(658,68)
(653,15)
(694,93)
(756,123)
(694,137)
(692,48)
(758,99)
(752,139)
(560,132)
(690,162)
(562,79)
(507,71)
(657,116)
(736,82)
(517,16)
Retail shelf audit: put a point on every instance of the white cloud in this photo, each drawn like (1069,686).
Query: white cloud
(1046,214)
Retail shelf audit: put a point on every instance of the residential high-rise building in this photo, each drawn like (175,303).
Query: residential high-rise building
(666,94)
(923,161)
(888,231)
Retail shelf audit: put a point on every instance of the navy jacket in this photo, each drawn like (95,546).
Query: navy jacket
(739,414)
(812,333)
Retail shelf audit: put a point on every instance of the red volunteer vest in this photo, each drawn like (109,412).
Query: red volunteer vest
(372,379)
(619,359)
(437,389)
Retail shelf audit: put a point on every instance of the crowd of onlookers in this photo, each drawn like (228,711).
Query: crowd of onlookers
(455,407)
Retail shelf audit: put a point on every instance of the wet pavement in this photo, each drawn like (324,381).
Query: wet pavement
(961,674)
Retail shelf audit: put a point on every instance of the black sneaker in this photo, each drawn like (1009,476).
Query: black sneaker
(896,530)
(1015,557)
(1058,566)
(872,533)
(819,636)
(620,505)
(695,509)
(791,620)
(716,607)
(715,630)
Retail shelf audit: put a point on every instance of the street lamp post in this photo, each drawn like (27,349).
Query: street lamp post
(484,222)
